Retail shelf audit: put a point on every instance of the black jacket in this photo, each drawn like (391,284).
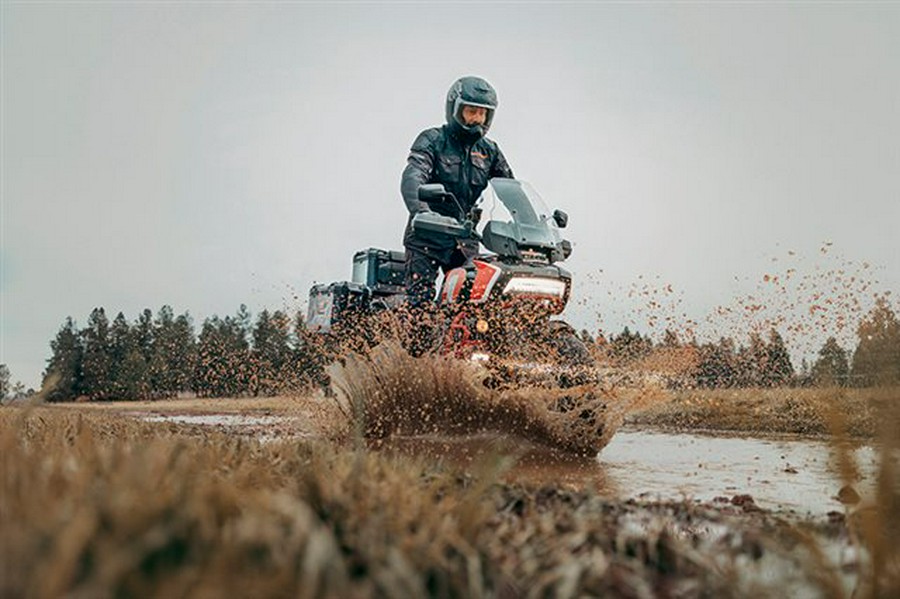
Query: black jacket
(437,156)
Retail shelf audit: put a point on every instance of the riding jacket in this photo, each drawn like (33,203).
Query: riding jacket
(463,167)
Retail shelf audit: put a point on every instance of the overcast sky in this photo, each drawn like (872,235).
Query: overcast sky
(204,155)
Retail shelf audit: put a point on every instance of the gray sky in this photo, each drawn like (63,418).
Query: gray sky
(205,155)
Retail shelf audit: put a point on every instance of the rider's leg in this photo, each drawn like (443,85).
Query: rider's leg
(421,272)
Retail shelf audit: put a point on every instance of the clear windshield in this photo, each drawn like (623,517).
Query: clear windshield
(516,211)
(509,200)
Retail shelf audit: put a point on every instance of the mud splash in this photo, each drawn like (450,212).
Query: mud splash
(389,393)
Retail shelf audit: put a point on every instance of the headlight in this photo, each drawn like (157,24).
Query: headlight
(535,286)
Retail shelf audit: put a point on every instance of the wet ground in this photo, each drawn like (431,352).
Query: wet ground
(784,473)
(787,474)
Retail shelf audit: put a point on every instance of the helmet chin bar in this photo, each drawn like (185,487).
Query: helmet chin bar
(475,129)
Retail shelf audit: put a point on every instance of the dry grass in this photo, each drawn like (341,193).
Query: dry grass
(781,410)
(874,525)
(200,405)
(97,505)
(93,504)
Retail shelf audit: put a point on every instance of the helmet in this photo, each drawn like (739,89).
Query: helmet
(470,91)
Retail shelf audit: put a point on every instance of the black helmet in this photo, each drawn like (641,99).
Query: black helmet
(470,91)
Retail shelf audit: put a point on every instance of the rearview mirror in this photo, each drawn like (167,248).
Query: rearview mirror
(432,192)
(559,217)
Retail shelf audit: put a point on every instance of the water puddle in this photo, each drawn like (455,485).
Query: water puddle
(789,475)
(226,420)
(784,474)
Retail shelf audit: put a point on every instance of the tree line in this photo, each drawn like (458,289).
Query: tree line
(766,362)
(161,356)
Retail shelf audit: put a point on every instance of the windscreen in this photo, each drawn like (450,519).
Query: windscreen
(510,200)
(527,220)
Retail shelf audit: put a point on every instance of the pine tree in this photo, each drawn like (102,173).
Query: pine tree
(62,380)
(753,363)
(143,335)
(119,339)
(174,353)
(4,381)
(716,364)
(280,349)
(130,373)
(876,360)
(805,377)
(242,323)
(236,332)
(163,381)
(260,368)
(309,357)
(134,380)
(630,346)
(271,353)
(222,358)
(831,368)
(97,365)
(183,358)
(779,369)
(207,378)
(670,339)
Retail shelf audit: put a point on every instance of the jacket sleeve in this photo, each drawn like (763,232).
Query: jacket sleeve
(418,171)
(501,167)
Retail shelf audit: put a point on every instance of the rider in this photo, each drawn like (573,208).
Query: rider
(459,156)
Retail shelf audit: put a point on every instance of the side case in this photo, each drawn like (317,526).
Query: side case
(381,270)
(334,305)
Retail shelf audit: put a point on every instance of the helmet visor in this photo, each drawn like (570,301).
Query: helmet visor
(472,114)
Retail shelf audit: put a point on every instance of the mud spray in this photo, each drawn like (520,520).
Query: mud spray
(385,392)
(390,393)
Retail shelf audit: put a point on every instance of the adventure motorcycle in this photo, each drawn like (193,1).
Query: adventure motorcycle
(496,307)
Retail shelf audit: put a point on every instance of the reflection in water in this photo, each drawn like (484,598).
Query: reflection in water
(788,474)
(529,464)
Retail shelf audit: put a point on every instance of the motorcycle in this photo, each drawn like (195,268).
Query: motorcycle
(501,302)
(499,306)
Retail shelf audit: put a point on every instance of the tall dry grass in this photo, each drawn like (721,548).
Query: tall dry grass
(777,410)
(873,522)
(96,504)
(93,505)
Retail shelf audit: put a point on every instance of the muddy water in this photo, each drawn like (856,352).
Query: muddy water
(785,474)
(224,420)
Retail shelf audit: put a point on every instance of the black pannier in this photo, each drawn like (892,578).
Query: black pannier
(383,271)
(335,304)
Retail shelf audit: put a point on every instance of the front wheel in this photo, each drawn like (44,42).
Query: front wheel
(572,351)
